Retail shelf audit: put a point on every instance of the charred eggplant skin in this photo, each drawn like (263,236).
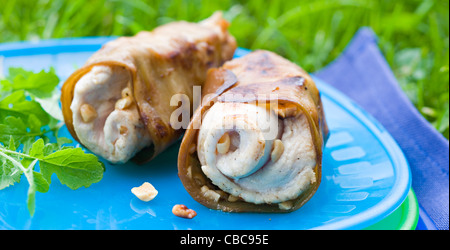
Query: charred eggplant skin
(260,73)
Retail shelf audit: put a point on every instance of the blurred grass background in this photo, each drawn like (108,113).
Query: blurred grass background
(413,34)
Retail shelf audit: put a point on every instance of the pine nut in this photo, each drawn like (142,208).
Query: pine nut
(232,198)
(286,205)
(286,111)
(123,130)
(224,144)
(146,192)
(198,178)
(183,211)
(189,172)
(123,103)
(278,149)
(211,194)
(88,113)
(126,92)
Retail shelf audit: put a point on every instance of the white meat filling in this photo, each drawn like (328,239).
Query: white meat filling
(268,181)
(105,118)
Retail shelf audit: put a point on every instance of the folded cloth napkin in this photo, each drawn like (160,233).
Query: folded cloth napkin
(363,74)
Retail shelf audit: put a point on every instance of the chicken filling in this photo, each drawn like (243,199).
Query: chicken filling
(248,152)
(105,116)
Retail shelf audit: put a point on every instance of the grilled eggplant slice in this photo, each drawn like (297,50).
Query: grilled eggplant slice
(118,103)
(255,144)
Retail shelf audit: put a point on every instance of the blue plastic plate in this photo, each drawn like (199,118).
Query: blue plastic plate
(365,175)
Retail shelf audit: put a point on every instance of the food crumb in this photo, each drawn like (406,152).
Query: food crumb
(183,211)
(146,192)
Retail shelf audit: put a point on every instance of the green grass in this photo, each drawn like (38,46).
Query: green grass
(413,35)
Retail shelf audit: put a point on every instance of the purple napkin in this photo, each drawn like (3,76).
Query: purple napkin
(362,73)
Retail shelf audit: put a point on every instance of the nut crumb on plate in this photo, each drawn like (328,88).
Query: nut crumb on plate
(146,192)
(183,211)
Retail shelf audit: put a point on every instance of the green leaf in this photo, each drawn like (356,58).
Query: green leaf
(36,152)
(39,84)
(51,105)
(11,145)
(19,130)
(62,140)
(17,105)
(38,183)
(13,72)
(49,148)
(73,167)
(29,109)
(9,173)
(5,88)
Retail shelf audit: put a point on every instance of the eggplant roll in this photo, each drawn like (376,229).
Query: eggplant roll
(255,144)
(118,104)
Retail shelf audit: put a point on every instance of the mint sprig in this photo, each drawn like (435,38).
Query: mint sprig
(72,166)
(27,130)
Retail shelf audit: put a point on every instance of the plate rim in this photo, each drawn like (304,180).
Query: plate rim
(402,185)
